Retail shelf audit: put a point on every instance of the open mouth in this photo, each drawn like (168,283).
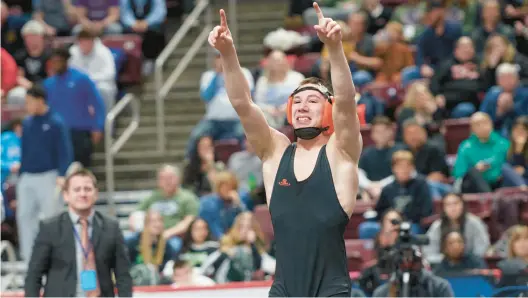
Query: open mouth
(303,119)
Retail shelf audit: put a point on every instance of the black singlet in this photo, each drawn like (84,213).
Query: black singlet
(308,224)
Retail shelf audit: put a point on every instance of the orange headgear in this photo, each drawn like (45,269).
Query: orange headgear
(327,123)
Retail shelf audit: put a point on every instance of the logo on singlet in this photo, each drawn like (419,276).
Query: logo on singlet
(284,182)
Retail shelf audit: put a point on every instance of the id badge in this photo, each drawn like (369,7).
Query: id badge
(88,280)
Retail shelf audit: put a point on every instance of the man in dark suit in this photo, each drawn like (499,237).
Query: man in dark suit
(79,250)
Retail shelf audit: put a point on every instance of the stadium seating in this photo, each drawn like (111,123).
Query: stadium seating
(224,149)
(130,43)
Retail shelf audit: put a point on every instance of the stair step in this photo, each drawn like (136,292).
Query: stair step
(130,184)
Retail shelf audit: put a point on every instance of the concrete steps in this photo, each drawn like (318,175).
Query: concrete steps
(137,162)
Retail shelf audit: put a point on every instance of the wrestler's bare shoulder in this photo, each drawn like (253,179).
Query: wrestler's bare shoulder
(270,164)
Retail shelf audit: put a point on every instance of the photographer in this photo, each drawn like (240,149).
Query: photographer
(375,275)
(410,279)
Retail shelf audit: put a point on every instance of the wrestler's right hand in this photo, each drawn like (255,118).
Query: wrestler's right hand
(220,37)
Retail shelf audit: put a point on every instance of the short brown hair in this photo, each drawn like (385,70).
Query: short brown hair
(381,120)
(226,177)
(316,81)
(80,173)
(86,34)
(402,155)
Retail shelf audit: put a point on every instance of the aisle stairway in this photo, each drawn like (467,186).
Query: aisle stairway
(136,164)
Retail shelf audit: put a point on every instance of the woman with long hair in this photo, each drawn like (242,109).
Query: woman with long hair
(498,50)
(243,251)
(518,152)
(515,267)
(199,173)
(198,243)
(456,217)
(420,104)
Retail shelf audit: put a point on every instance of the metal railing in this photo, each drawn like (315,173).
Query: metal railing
(10,278)
(164,86)
(112,147)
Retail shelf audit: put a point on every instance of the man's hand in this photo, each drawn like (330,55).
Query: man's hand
(328,30)
(426,71)
(60,182)
(140,26)
(97,136)
(98,27)
(440,101)
(235,198)
(14,168)
(482,166)
(50,31)
(220,38)
(24,83)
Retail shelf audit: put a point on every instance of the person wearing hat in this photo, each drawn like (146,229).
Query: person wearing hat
(74,96)
(46,154)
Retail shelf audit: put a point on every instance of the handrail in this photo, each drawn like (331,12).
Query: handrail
(162,59)
(11,257)
(112,147)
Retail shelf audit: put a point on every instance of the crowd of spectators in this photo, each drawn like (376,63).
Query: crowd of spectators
(452,59)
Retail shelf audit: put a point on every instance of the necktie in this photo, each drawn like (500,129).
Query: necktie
(89,262)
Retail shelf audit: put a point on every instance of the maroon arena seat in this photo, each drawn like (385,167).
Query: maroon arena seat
(305,63)
(359,252)
(457,130)
(391,94)
(224,149)
(130,43)
(351,231)
(264,219)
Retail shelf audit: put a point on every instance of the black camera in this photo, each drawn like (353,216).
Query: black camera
(406,239)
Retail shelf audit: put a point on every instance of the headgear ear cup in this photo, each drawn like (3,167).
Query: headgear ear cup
(289,110)
(328,121)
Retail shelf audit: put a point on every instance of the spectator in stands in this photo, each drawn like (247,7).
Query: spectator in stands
(359,50)
(220,120)
(481,159)
(9,73)
(20,8)
(11,27)
(185,276)
(74,96)
(10,160)
(147,19)
(521,36)
(457,80)
(92,57)
(243,250)
(514,11)
(518,152)
(429,160)
(335,9)
(455,216)
(490,24)
(220,208)
(177,206)
(101,17)
(420,104)
(375,162)
(197,243)
(57,16)
(500,50)
(32,61)
(436,43)
(410,15)
(149,247)
(408,193)
(465,12)
(200,170)
(394,53)
(515,268)
(247,167)
(378,15)
(377,274)
(507,102)
(46,155)
(274,87)
(456,258)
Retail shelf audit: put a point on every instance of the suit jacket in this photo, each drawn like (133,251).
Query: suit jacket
(54,256)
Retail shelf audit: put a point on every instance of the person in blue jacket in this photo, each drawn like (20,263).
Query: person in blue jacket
(10,159)
(75,98)
(46,155)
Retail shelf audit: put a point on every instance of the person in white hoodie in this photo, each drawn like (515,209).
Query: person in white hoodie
(91,56)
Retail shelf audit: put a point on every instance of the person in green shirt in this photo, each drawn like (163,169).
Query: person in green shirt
(481,158)
(177,206)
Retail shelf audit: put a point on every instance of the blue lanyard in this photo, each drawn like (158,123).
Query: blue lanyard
(89,249)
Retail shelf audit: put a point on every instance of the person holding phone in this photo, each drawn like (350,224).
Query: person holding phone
(481,159)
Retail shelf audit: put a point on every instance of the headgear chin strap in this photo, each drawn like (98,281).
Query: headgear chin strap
(327,125)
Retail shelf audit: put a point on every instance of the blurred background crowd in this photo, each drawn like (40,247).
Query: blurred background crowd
(443,104)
